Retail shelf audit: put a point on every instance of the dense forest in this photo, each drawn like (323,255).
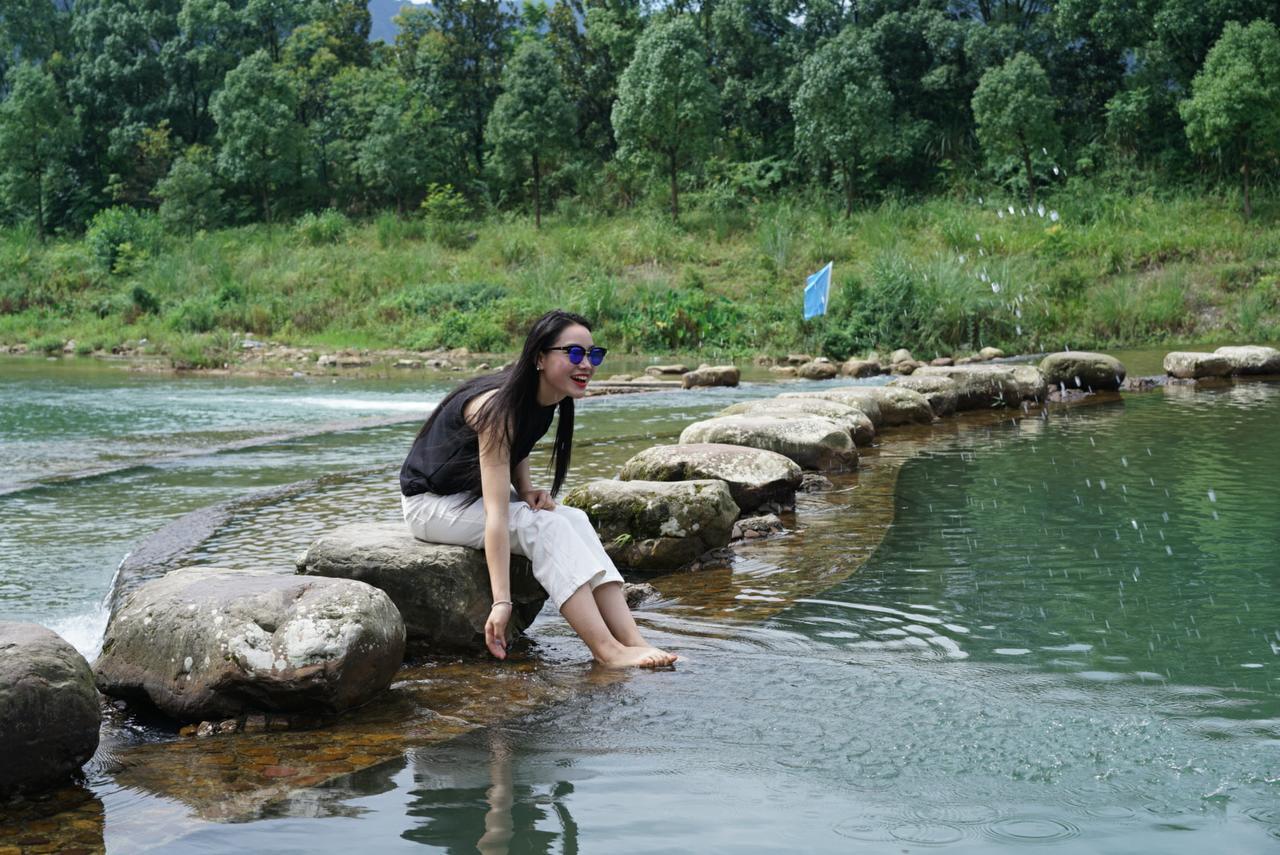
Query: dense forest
(212,112)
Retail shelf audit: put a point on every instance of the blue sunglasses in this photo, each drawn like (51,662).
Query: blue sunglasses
(577,351)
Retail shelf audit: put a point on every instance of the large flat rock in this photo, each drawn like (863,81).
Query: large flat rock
(205,643)
(1190,365)
(847,416)
(49,712)
(979,387)
(1082,369)
(711,375)
(443,592)
(1251,359)
(811,441)
(755,476)
(850,396)
(657,525)
(886,406)
(941,392)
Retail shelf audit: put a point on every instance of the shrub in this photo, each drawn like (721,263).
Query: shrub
(47,344)
(120,238)
(327,227)
(195,315)
(445,212)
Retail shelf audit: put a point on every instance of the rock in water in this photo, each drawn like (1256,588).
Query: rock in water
(817,370)
(442,592)
(860,368)
(811,441)
(657,525)
(210,643)
(847,416)
(1250,359)
(886,406)
(941,392)
(49,713)
(981,387)
(711,375)
(1188,365)
(754,476)
(1080,369)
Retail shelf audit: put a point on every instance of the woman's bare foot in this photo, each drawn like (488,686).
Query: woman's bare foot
(669,658)
(637,657)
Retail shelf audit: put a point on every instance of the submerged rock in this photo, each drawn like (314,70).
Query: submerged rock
(941,392)
(754,528)
(49,711)
(1189,365)
(755,476)
(1251,359)
(811,441)
(847,416)
(711,375)
(442,592)
(1081,369)
(657,525)
(211,643)
(1143,384)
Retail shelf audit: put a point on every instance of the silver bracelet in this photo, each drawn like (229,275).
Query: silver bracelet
(502,603)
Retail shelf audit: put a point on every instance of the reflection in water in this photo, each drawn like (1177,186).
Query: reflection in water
(508,812)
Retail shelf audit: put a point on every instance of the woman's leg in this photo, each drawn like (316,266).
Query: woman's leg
(583,614)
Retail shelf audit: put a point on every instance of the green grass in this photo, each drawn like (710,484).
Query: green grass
(1115,269)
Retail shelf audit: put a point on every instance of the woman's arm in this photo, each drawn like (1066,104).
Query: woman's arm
(537,499)
(495,488)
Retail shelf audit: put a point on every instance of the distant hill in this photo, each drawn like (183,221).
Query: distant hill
(382,11)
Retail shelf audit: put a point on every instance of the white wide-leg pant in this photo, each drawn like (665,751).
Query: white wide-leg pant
(564,548)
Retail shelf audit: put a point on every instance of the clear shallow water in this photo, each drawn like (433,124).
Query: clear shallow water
(1028,657)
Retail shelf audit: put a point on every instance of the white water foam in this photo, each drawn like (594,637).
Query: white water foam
(84,631)
(368,405)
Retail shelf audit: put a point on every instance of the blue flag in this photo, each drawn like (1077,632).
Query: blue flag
(815,292)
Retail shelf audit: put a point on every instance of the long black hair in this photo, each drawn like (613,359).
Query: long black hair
(514,403)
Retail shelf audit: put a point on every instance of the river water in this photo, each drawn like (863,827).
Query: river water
(1053,628)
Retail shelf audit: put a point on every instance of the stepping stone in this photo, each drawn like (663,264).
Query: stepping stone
(754,476)
(811,441)
(1081,369)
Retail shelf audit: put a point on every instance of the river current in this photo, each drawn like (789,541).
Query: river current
(1056,628)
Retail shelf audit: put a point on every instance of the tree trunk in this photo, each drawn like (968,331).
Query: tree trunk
(675,191)
(1031,178)
(847,177)
(1248,204)
(537,192)
(40,205)
(266,204)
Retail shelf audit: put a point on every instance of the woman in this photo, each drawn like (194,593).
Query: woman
(476,446)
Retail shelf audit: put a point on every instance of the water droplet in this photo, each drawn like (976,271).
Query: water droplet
(1053,215)
(1040,210)
(995,287)
(977,237)
(1055,171)
(1213,497)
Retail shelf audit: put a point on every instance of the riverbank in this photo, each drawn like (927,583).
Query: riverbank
(941,276)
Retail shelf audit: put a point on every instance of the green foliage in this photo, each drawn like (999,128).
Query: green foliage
(327,227)
(1234,108)
(843,111)
(1014,114)
(122,238)
(191,199)
(446,212)
(667,109)
(258,135)
(532,120)
(37,132)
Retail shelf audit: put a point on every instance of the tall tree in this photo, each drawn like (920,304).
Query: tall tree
(1014,112)
(532,119)
(843,111)
(190,196)
(593,42)
(1234,108)
(667,110)
(258,135)
(457,49)
(31,31)
(36,132)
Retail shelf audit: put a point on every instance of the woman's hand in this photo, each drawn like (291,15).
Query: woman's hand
(495,629)
(539,500)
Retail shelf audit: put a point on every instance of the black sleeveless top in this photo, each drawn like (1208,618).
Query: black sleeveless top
(446,459)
